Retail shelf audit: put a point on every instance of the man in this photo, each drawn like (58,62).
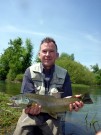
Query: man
(44,78)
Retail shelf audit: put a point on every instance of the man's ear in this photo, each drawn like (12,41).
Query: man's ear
(57,55)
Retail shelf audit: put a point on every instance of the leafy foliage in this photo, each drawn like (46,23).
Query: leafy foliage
(19,78)
(65,55)
(97,73)
(15,59)
(79,74)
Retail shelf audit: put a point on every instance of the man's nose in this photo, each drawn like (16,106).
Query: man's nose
(47,53)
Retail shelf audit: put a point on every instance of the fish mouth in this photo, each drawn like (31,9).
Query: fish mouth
(13,105)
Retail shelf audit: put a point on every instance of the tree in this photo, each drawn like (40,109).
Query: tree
(65,55)
(79,74)
(97,72)
(15,63)
(95,68)
(4,62)
(37,59)
(15,59)
(27,55)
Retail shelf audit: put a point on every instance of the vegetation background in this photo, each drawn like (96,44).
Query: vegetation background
(18,56)
(13,63)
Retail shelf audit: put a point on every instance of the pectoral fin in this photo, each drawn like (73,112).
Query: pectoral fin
(31,104)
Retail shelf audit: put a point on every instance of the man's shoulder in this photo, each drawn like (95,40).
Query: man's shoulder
(60,68)
(61,72)
(36,67)
(35,64)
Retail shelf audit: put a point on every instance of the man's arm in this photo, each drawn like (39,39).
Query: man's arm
(28,87)
(27,84)
(67,89)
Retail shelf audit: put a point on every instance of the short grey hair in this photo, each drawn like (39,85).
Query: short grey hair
(48,40)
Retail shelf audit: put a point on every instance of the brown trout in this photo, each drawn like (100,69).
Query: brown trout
(50,104)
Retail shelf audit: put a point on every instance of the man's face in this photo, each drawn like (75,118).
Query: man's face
(48,54)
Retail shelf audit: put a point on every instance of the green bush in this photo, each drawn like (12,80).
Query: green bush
(11,75)
(19,77)
(8,115)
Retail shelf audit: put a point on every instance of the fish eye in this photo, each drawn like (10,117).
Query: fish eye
(14,98)
(26,99)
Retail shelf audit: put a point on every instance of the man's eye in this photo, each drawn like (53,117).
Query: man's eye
(52,51)
(44,51)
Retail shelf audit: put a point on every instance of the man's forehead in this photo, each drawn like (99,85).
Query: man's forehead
(46,45)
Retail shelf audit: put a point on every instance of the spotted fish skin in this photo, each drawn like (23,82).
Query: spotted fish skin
(49,104)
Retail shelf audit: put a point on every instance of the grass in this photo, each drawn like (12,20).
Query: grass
(8,115)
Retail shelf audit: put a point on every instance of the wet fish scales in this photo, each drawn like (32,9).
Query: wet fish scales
(49,103)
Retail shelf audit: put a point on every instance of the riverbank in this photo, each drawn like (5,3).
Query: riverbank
(8,115)
(15,88)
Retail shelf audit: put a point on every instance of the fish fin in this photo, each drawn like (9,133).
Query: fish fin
(87,99)
(54,115)
(31,103)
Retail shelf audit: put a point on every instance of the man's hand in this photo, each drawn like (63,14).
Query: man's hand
(76,105)
(33,110)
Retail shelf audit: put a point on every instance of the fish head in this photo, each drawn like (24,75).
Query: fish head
(19,100)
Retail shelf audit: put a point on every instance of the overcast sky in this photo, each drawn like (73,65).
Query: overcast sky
(74,24)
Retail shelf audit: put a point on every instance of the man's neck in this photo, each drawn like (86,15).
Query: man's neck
(46,68)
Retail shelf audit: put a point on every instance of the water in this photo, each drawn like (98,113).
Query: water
(88,117)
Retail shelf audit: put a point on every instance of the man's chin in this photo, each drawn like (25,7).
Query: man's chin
(47,65)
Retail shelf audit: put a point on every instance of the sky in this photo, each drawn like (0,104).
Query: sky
(75,25)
